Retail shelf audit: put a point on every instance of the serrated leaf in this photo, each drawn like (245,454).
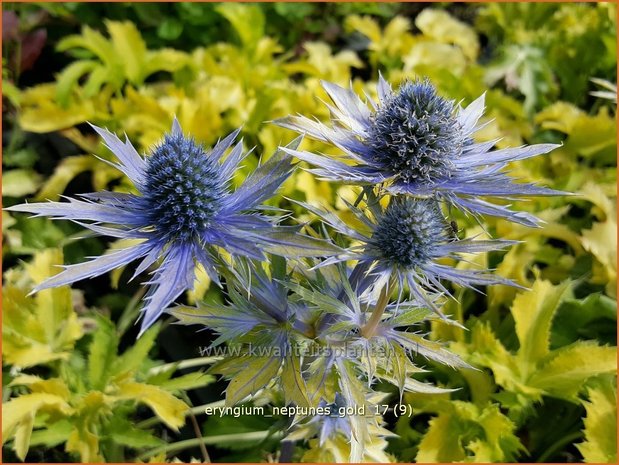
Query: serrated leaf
(102,353)
(533,312)
(18,417)
(600,444)
(124,432)
(168,408)
(41,114)
(40,328)
(463,432)
(54,434)
(601,241)
(137,354)
(565,370)
(55,386)
(485,350)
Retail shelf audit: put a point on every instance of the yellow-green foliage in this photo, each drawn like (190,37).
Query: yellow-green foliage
(601,425)
(85,399)
(536,370)
(41,328)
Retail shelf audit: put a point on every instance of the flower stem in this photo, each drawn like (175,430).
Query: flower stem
(189,363)
(196,429)
(557,446)
(224,438)
(369,328)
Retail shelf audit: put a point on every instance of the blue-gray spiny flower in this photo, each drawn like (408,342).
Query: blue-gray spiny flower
(403,243)
(416,142)
(185,210)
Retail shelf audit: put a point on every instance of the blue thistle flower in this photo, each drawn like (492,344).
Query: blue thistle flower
(403,244)
(415,134)
(184,212)
(417,143)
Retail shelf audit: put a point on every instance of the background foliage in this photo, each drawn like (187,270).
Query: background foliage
(76,385)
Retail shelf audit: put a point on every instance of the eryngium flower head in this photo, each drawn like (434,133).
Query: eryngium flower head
(416,142)
(403,243)
(185,210)
(415,134)
(409,231)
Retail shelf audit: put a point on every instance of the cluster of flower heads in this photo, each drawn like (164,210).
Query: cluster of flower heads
(326,331)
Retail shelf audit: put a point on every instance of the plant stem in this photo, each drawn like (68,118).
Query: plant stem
(192,411)
(196,429)
(369,328)
(128,315)
(558,445)
(180,445)
(189,363)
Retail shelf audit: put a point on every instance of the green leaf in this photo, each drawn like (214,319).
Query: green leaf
(533,312)
(167,407)
(137,354)
(165,60)
(40,113)
(97,80)
(53,434)
(442,27)
(463,432)
(20,182)
(11,92)
(593,317)
(18,417)
(21,441)
(600,444)
(124,432)
(40,328)
(525,67)
(63,174)
(601,241)
(129,45)
(67,80)
(102,353)
(594,136)
(90,40)
(247,20)
(564,372)
(170,29)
